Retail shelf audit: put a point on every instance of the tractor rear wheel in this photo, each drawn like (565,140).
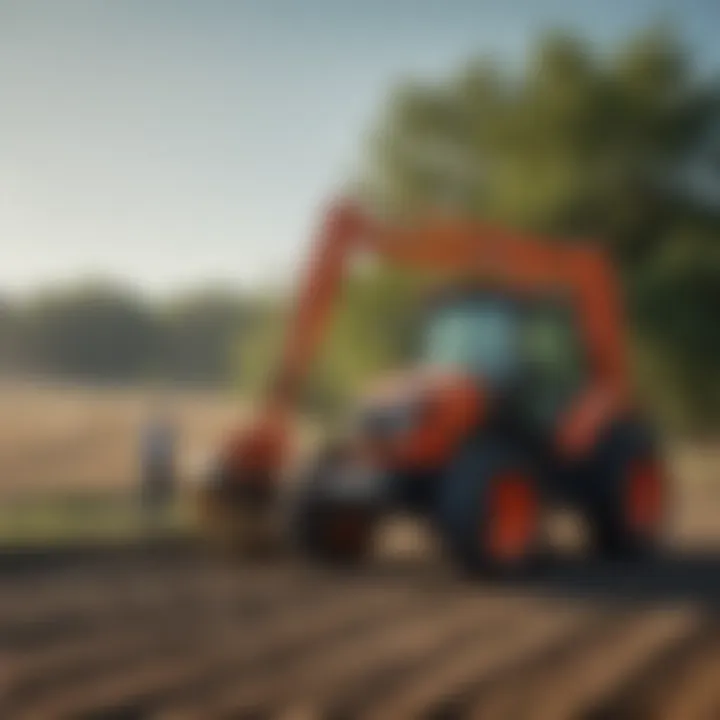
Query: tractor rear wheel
(628,501)
(490,510)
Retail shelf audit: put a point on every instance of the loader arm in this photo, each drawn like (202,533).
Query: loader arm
(442,246)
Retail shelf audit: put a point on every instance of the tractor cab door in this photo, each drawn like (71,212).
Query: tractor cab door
(554,363)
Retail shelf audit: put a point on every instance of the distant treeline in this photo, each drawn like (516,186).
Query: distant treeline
(103,332)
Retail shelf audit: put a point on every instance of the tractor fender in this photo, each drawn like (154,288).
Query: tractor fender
(624,448)
(588,420)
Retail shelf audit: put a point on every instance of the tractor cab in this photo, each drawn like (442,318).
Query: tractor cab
(484,359)
(521,348)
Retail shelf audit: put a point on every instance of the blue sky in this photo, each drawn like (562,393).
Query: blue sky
(169,142)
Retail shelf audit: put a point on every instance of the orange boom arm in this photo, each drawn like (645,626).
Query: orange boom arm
(523,264)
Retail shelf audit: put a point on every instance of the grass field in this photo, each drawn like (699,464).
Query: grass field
(55,438)
(69,457)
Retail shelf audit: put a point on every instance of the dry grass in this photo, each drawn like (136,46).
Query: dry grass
(58,439)
(69,457)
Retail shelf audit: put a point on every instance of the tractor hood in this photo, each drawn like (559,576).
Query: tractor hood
(403,386)
(414,418)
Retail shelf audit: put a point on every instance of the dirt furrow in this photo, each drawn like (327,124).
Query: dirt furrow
(175,628)
(135,603)
(680,682)
(27,599)
(144,684)
(294,685)
(436,683)
(371,689)
(597,669)
(495,696)
(258,685)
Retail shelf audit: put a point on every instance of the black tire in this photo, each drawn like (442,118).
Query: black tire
(625,448)
(465,508)
(317,519)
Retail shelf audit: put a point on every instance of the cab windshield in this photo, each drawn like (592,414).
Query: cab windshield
(476,336)
(503,341)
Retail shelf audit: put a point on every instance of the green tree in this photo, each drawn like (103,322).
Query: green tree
(10,338)
(94,331)
(616,145)
(198,334)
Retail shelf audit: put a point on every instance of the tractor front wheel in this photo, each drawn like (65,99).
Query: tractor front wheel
(490,510)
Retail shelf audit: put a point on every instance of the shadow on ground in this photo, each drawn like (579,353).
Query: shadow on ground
(672,576)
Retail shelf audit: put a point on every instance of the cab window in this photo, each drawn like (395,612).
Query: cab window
(478,336)
(553,356)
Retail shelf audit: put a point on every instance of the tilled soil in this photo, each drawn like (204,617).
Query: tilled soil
(166,632)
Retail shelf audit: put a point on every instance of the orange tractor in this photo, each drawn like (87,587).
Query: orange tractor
(519,400)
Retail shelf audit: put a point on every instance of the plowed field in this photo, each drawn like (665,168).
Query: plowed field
(165,632)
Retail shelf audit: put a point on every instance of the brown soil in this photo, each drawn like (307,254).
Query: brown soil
(166,632)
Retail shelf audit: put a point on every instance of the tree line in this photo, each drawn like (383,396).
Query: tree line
(617,143)
(104,332)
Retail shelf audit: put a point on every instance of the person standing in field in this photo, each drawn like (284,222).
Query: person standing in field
(158,461)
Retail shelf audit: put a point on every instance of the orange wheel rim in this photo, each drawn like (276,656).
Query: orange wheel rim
(512,516)
(644,501)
